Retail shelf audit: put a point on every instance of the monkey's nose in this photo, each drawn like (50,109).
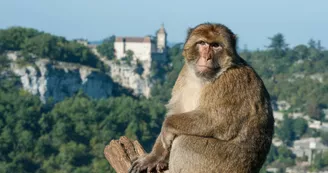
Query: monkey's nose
(209,56)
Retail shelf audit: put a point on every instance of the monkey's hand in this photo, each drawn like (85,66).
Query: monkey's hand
(149,163)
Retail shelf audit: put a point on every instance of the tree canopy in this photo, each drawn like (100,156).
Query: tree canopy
(106,48)
(43,45)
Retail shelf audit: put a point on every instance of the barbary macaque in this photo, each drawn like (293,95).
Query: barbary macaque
(219,118)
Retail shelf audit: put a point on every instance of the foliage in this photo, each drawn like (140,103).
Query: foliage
(106,48)
(320,161)
(324,137)
(290,129)
(297,75)
(300,126)
(278,44)
(129,57)
(4,62)
(14,38)
(285,156)
(280,157)
(285,131)
(165,74)
(69,136)
(45,45)
(314,110)
(139,69)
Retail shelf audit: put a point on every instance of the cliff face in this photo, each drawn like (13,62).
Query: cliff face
(126,76)
(58,80)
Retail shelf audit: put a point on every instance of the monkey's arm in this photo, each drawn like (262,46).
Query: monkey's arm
(158,148)
(199,123)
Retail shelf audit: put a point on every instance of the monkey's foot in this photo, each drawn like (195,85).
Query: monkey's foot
(149,164)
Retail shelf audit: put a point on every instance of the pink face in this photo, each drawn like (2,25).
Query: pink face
(208,56)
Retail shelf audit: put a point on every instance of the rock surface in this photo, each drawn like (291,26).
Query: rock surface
(58,80)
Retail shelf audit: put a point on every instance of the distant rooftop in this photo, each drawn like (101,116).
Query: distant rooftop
(133,39)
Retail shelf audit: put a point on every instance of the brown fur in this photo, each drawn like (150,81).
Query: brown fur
(220,123)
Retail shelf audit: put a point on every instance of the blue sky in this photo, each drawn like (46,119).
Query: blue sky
(252,20)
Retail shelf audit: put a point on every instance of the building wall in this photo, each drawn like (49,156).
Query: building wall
(141,50)
(119,49)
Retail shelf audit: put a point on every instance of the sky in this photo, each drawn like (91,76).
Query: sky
(254,21)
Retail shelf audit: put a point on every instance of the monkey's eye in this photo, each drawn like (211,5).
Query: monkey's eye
(216,45)
(202,42)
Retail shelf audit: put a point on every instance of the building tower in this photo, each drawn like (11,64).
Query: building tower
(161,39)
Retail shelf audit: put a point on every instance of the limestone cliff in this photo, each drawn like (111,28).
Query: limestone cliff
(59,80)
(126,76)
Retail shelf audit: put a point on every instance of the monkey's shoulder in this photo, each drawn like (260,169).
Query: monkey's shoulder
(239,76)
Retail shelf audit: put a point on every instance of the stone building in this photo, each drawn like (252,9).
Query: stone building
(82,41)
(161,40)
(144,48)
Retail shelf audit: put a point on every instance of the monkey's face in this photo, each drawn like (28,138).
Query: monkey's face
(207,62)
(209,49)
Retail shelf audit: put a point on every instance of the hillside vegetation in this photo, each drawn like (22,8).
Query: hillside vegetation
(36,44)
(69,136)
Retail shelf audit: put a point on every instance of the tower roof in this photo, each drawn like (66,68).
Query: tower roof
(161,30)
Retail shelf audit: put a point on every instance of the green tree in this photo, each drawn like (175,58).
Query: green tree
(139,69)
(314,111)
(324,137)
(45,45)
(300,126)
(272,155)
(301,52)
(319,47)
(32,43)
(278,44)
(285,156)
(165,74)
(285,131)
(318,162)
(128,57)
(65,138)
(107,47)
(312,43)
(14,38)
(4,62)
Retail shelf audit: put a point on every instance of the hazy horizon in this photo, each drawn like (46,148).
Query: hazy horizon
(253,21)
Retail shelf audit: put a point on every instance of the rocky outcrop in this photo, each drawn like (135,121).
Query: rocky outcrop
(58,80)
(126,75)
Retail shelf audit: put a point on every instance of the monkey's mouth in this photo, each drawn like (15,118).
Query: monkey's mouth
(205,68)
